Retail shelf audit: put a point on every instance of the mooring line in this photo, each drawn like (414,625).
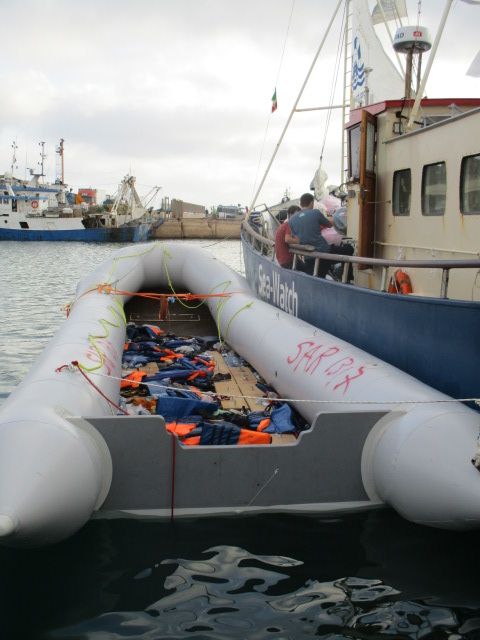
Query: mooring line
(311,401)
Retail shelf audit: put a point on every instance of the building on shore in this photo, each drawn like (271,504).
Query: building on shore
(188,221)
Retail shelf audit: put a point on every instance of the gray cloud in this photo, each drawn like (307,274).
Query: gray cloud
(180,91)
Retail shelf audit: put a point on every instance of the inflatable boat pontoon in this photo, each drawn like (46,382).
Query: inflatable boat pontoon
(377,436)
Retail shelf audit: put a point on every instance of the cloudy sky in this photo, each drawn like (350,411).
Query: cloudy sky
(178,92)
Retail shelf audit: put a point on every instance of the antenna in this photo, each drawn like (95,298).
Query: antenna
(43,156)
(60,163)
(412,41)
(418,98)
(14,157)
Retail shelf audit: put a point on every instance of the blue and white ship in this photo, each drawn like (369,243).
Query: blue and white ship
(412,196)
(36,211)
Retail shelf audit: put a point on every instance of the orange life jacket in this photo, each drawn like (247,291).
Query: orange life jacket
(133,379)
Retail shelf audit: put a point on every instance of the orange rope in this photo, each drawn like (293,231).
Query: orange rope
(78,366)
(108,289)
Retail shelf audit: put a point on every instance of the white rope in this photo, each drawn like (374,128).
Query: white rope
(267,482)
(347,402)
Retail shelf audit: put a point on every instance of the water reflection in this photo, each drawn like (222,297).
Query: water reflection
(371,574)
(230,593)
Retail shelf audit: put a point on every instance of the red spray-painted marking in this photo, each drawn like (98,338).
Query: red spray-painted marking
(309,355)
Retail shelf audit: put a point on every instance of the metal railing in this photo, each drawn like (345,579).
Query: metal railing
(266,247)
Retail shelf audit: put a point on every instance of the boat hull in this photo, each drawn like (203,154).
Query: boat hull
(240,480)
(134,233)
(434,340)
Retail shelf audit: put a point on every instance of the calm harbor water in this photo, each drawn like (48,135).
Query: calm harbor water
(355,576)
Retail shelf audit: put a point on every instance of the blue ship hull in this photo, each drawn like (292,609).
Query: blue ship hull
(138,233)
(435,340)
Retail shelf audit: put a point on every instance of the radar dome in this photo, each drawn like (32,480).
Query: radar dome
(412,39)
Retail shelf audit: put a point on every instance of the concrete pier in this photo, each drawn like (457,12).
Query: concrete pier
(199,228)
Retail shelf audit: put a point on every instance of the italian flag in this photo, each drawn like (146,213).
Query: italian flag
(274,100)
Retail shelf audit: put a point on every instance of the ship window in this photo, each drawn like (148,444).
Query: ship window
(434,189)
(402,191)
(24,225)
(354,153)
(470,184)
(370,156)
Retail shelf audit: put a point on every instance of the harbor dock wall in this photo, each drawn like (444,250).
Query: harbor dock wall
(198,228)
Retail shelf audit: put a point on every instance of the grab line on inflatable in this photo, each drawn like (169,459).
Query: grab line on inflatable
(346,402)
(75,366)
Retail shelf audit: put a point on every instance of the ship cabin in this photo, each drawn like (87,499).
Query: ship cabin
(416,195)
(15,204)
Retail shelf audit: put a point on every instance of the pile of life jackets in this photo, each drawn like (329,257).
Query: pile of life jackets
(174,377)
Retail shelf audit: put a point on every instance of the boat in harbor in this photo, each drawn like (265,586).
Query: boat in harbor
(32,210)
(70,450)
(27,215)
(411,188)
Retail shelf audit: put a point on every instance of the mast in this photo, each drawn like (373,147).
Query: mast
(262,182)
(43,156)
(346,45)
(421,89)
(60,150)
(14,157)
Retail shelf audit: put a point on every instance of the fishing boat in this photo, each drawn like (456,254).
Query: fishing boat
(411,188)
(32,210)
(373,435)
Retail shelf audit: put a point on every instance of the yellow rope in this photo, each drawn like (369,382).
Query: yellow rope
(117,259)
(166,254)
(245,306)
(117,312)
(99,287)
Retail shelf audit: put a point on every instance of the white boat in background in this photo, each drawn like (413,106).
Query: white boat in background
(411,187)
(32,210)
(377,436)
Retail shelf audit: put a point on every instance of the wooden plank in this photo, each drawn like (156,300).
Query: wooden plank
(220,364)
(243,383)
(226,387)
(247,382)
(230,388)
(283,438)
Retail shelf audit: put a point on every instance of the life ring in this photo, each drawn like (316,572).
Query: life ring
(400,283)
(34,204)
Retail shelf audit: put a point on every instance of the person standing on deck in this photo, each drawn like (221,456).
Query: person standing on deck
(282,253)
(307,225)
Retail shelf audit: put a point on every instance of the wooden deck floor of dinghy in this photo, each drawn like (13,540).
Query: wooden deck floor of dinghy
(242,382)
(193,319)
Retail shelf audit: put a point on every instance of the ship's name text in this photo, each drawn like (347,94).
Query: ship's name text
(272,289)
